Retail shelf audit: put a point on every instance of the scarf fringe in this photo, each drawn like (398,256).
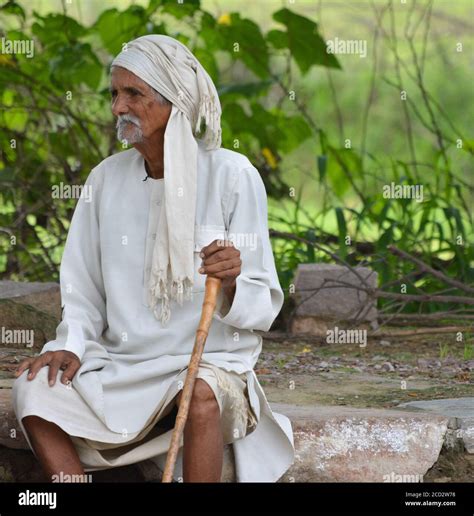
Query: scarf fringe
(209,113)
(180,290)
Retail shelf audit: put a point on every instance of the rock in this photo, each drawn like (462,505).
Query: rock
(343,444)
(452,407)
(427,363)
(316,313)
(466,433)
(449,361)
(333,444)
(40,295)
(460,408)
(422,363)
(11,435)
(387,366)
(6,383)
(29,309)
(19,466)
(22,466)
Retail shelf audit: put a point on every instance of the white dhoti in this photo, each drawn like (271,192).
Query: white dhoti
(100,448)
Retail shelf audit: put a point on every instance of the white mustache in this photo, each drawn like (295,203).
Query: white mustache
(125,119)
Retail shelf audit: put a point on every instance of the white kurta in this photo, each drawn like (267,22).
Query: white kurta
(128,360)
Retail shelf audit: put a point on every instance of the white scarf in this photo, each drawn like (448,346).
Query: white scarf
(170,68)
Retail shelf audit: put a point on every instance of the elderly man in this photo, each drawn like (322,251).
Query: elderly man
(162,215)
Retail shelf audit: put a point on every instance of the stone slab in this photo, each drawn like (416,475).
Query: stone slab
(11,435)
(333,444)
(29,313)
(462,409)
(343,444)
(17,289)
(337,301)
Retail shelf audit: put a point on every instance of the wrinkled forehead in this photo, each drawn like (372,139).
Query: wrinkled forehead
(121,77)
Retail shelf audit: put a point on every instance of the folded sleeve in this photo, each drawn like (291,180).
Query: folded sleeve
(258,296)
(82,289)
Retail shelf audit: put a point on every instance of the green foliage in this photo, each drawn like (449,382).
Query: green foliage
(252,47)
(116,27)
(56,125)
(302,38)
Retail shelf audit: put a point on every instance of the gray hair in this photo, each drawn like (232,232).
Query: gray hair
(159,97)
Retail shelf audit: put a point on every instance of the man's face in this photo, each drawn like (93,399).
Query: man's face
(139,113)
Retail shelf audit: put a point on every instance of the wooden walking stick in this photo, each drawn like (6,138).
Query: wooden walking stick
(212,288)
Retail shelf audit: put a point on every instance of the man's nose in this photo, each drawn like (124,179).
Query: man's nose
(119,106)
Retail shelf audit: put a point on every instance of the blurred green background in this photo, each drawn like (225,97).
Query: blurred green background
(326,131)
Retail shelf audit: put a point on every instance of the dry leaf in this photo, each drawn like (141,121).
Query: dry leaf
(262,371)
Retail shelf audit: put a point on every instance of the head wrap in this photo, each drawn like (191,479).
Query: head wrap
(170,68)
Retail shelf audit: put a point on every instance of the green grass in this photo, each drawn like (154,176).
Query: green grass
(468,351)
(444,350)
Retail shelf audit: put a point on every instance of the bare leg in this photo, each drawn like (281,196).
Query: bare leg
(203,452)
(53,447)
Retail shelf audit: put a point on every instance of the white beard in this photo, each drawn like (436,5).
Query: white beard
(129,130)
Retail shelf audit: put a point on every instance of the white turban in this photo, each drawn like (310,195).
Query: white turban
(170,68)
